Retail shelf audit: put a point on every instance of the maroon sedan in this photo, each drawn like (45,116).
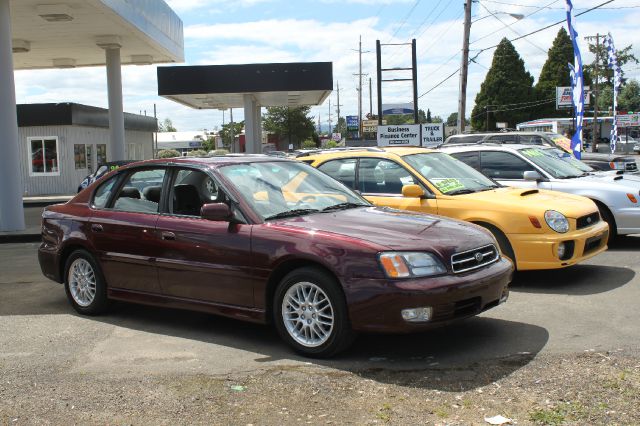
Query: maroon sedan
(267,240)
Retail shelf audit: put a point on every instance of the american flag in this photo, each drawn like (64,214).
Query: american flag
(612,59)
(577,84)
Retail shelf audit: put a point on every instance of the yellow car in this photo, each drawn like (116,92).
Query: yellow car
(536,229)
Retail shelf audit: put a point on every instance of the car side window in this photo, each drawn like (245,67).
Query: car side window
(531,140)
(341,170)
(470,158)
(102,194)
(503,165)
(507,138)
(379,176)
(190,190)
(141,191)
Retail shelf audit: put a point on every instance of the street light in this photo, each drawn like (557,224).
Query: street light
(464,67)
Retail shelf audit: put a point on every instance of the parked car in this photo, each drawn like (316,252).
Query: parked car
(101,170)
(231,236)
(598,160)
(529,167)
(535,229)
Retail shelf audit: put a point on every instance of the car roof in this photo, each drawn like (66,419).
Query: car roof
(214,161)
(489,147)
(367,152)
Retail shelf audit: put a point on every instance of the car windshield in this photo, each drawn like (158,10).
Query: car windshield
(449,175)
(287,188)
(551,164)
(565,156)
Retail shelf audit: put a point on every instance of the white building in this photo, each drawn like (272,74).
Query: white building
(62,143)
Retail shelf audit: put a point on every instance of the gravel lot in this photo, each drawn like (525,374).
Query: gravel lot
(565,349)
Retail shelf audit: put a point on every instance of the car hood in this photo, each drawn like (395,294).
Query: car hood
(625,179)
(532,201)
(395,229)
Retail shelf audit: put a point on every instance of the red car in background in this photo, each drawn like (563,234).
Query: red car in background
(271,241)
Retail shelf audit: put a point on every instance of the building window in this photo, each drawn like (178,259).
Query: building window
(44,156)
(101,154)
(80,156)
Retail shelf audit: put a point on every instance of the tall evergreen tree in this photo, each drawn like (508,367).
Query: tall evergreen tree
(506,86)
(555,73)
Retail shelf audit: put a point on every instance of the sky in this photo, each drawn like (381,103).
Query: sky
(218,32)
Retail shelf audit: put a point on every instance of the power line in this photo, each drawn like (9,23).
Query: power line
(557,8)
(518,38)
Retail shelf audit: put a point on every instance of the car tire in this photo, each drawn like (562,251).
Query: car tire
(606,215)
(310,313)
(84,284)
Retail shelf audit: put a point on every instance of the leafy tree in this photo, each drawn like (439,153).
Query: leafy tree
(507,84)
(166,126)
(437,119)
(452,120)
(605,73)
(555,73)
(428,117)
(629,99)
(396,119)
(291,122)
(168,153)
(228,129)
(341,126)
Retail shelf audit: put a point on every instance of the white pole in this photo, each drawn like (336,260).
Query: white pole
(11,210)
(116,114)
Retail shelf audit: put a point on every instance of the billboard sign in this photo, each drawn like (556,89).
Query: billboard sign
(371,126)
(432,134)
(564,96)
(353,124)
(399,135)
(627,120)
(397,109)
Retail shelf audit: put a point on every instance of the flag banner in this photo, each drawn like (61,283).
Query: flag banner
(612,62)
(577,84)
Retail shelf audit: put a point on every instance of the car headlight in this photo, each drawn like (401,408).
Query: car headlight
(410,264)
(556,221)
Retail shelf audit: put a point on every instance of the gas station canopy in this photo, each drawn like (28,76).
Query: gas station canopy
(225,86)
(73,33)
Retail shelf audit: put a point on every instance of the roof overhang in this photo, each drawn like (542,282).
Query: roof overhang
(71,33)
(224,86)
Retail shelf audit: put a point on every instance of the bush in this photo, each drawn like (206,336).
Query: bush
(219,152)
(168,153)
(308,144)
(331,144)
(197,153)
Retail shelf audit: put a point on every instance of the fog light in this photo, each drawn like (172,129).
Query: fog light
(417,314)
(562,250)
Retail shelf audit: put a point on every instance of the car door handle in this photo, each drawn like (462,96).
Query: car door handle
(169,236)
(97,228)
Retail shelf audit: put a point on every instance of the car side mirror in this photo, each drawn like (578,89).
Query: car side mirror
(218,212)
(412,191)
(531,175)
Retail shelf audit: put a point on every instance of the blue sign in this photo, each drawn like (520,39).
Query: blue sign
(353,124)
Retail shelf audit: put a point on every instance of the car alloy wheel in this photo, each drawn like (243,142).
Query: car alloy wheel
(82,282)
(307,314)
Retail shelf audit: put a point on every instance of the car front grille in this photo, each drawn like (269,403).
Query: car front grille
(588,220)
(474,259)
(459,309)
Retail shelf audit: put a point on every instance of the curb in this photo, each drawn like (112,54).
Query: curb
(20,238)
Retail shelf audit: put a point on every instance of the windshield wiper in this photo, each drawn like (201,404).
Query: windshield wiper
(292,213)
(343,206)
(460,192)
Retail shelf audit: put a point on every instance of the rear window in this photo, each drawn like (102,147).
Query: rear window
(452,140)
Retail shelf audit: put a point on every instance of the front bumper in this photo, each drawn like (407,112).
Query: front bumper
(627,220)
(375,305)
(539,251)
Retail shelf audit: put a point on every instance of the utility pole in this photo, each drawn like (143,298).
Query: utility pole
(594,132)
(464,67)
(360,87)
(329,115)
(338,105)
(370,99)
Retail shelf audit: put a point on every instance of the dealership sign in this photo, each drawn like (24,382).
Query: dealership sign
(564,96)
(352,123)
(400,135)
(432,134)
(397,109)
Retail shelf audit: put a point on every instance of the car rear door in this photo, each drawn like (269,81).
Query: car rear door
(201,259)
(123,229)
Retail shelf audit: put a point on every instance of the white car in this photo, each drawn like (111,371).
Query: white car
(617,195)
